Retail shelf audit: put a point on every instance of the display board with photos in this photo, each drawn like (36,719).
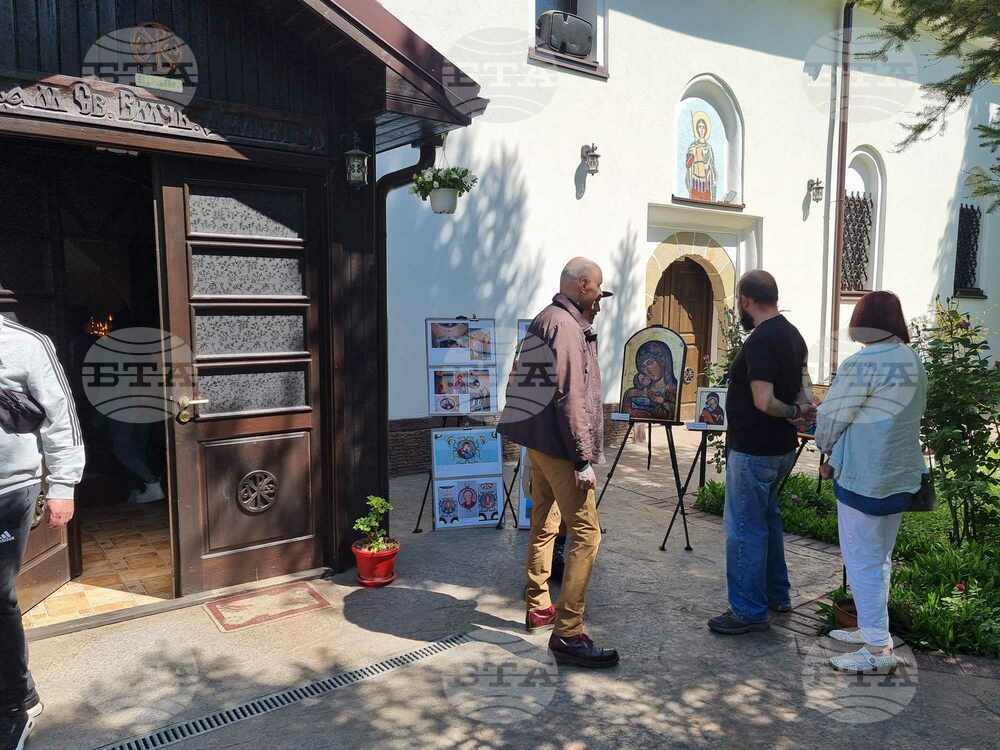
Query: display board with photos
(462,366)
(652,369)
(467,470)
(710,409)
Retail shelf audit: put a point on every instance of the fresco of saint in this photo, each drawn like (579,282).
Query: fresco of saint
(701,177)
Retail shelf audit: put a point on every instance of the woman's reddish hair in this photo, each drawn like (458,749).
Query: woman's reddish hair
(877,316)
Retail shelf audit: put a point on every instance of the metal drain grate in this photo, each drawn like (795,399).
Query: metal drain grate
(227,717)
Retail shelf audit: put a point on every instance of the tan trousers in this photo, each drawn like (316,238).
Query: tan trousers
(555,497)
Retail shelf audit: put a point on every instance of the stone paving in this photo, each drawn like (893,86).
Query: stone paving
(678,684)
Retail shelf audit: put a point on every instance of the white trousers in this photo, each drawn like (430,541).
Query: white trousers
(866,544)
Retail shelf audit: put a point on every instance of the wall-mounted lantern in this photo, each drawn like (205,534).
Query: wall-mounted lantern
(815,188)
(589,155)
(356,162)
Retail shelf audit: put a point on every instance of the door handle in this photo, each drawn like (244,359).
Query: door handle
(186,413)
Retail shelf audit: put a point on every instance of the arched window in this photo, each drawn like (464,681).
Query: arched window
(863,221)
(709,150)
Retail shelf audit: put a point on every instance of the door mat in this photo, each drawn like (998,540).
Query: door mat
(267,605)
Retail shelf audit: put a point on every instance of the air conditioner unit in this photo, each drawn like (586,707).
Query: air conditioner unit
(565,33)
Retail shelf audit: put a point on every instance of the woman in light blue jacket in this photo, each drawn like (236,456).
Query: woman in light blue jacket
(869,425)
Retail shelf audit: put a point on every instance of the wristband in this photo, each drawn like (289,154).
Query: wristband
(581,465)
(796,411)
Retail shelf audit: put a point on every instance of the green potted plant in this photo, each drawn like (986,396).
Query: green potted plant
(376,553)
(443,186)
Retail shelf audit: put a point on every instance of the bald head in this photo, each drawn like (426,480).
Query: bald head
(581,281)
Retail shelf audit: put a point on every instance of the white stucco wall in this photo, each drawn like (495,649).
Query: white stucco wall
(500,254)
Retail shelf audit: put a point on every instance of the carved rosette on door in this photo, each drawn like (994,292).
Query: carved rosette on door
(257,492)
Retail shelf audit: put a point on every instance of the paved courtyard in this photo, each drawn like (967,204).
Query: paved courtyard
(678,685)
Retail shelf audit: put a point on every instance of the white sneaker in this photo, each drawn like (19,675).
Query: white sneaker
(864,660)
(151,493)
(847,636)
(35,711)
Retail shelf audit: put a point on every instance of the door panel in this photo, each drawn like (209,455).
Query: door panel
(239,247)
(683,302)
(30,265)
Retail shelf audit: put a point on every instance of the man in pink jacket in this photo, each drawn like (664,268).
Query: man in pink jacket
(555,409)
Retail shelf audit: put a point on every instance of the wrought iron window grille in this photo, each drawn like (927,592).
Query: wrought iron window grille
(859,213)
(967,252)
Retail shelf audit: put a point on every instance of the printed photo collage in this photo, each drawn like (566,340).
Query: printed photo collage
(467,471)
(462,366)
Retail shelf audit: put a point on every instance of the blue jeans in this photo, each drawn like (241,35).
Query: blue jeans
(17,689)
(756,573)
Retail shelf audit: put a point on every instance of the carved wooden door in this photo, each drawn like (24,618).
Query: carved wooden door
(240,249)
(683,302)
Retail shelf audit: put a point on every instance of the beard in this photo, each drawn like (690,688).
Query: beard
(746,321)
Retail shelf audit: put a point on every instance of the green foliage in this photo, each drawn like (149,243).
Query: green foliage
(432,178)
(372,526)
(948,598)
(966,31)
(962,418)
(803,510)
(926,602)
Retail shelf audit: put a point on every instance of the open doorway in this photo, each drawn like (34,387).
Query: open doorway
(92,271)
(683,302)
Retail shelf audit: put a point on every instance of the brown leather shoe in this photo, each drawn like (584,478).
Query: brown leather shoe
(540,619)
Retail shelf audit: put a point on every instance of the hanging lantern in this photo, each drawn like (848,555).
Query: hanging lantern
(356,162)
(591,157)
(815,188)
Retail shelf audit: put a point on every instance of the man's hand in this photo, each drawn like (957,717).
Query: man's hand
(807,411)
(586,479)
(826,471)
(60,512)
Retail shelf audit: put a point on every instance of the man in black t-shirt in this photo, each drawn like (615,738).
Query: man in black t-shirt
(765,404)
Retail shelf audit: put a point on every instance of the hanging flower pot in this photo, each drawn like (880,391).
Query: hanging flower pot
(444,200)
(443,186)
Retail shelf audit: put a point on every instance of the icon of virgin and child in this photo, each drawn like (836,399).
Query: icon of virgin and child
(653,394)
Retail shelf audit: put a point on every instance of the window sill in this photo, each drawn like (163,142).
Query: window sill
(853,295)
(969,294)
(708,204)
(575,64)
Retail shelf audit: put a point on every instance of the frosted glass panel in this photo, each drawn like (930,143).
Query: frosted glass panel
(245,272)
(249,334)
(246,212)
(251,391)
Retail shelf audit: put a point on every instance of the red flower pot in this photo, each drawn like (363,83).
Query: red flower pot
(375,568)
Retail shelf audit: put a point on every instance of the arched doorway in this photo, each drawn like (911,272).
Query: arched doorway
(683,301)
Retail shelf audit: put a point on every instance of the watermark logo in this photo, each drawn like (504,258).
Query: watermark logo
(150,56)
(532,384)
(502,679)
(138,374)
(874,383)
(882,85)
(857,697)
(497,59)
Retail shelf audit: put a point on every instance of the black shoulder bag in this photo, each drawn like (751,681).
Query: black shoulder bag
(19,412)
